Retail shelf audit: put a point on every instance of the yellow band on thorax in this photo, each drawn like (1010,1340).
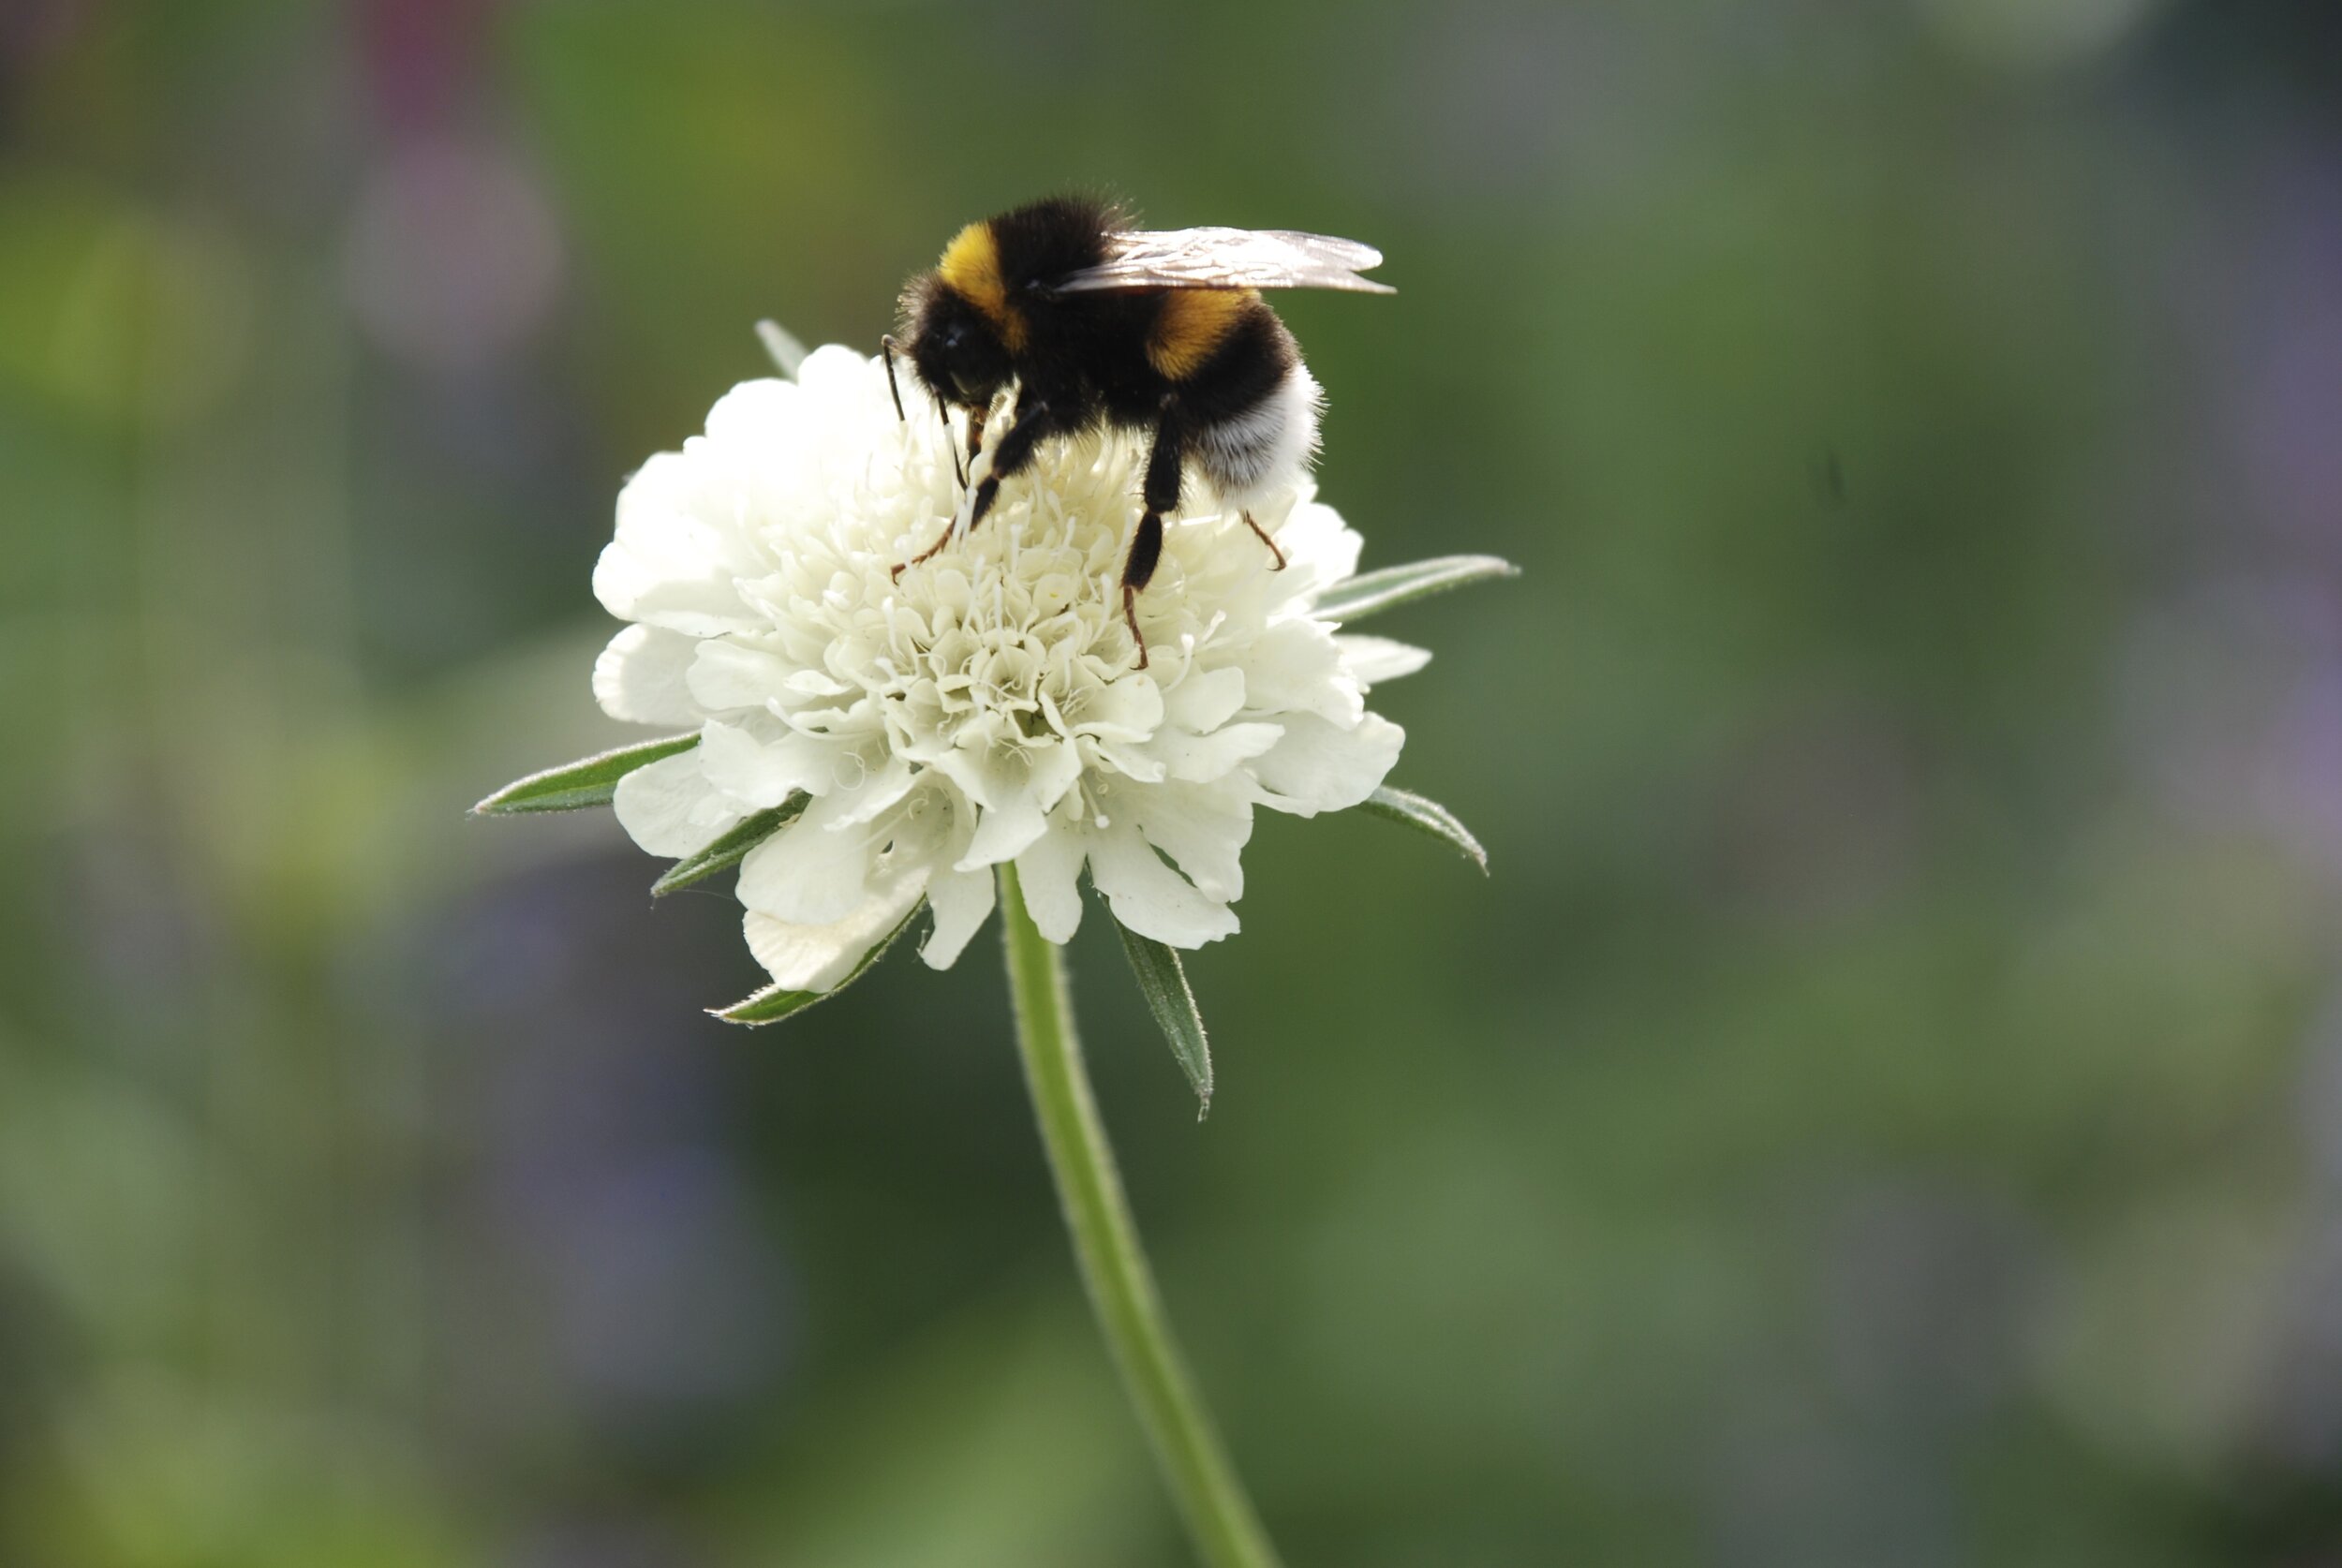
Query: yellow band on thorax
(971,268)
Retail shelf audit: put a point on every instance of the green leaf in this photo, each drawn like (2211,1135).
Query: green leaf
(776,1002)
(1162,981)
(1378,591)
(782,345)
(1429,816)
(728,850)
(574,786)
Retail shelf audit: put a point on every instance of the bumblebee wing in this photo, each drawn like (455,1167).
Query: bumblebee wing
(1229,258)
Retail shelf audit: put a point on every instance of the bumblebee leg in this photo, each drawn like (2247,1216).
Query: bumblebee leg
(1011,456)
(1161,495)
(1008,459)
(1138,569)
(1259,534)
(949,445)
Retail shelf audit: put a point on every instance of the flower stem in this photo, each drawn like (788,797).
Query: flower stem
(1122,1286)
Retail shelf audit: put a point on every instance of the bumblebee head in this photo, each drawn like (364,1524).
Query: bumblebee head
(953,349)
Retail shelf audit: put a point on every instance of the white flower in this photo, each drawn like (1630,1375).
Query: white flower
(983,707)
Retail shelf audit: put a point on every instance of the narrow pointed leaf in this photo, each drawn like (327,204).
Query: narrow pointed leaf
(782,345)
(776,1002)
(1429,816)
(1376,591)
(729,849)
(1162,981)
(574,786)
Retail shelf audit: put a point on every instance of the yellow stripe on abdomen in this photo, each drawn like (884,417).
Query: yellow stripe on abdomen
(1192,323)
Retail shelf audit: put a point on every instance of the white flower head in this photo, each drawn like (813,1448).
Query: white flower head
(983,707)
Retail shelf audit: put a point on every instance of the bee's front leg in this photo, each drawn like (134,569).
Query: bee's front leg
(1010,458)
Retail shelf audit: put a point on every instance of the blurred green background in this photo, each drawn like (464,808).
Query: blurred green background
(1886,1108)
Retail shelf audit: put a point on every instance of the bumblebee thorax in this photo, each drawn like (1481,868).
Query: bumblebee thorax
(970,268)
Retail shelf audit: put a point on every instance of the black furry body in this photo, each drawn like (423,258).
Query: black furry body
(1083,361)
(1202,366)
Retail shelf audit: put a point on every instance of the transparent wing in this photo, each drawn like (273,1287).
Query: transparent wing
(1229,259)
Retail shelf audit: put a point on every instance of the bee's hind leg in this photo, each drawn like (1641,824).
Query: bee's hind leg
(1262,534)
(1138,569)
(1161,495)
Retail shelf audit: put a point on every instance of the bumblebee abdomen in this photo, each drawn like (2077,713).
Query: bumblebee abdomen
(1192,324)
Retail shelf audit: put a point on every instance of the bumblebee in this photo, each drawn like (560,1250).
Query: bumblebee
(1103,325)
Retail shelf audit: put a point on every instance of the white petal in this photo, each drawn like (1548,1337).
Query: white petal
(836,374)
(1205,830)
(961,900)
(1320,549)
(724,675)
(1200,759)
(1375,659)
(1295,667)
(639,677)
(1317,767)
(1149,896)
(753,413)
(1127,709)
(1205,700)
(875,793)
(677,556)
(816,957)
(1049,873)
(811,872)
(1004,831)
(766,765)
(1054,767)
(670,809)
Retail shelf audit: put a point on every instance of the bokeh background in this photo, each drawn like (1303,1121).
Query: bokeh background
(1885,1109)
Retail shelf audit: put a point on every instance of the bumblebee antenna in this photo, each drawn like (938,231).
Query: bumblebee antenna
(886,347)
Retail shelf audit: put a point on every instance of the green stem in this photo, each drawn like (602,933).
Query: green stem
(1122,1286)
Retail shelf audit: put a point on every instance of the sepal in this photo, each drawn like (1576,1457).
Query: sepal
(1162,981)
(1373,592)
(729,849)
(587,782)
(1428,816)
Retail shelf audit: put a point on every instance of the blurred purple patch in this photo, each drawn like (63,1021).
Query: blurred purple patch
(453,257)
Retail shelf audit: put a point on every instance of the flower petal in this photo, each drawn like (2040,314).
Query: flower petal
(751,414)
(1320,549)
(1205,700)
(1317,767)
(1050,874)
(670,809)
(1295,667)
(640,677)
(1004,831)
(764,766)
(1149,896)
(1201,759)
(724,675)
(961,901)
(813,872)
(816,957)
(670,564)
(1205,830)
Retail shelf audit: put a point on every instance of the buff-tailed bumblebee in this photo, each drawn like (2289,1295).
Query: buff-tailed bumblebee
(1100,324)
